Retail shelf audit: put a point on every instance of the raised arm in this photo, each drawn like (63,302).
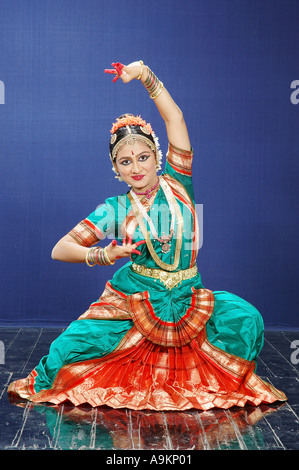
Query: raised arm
(170,112)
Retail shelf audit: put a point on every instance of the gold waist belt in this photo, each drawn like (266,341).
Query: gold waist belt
(169,279)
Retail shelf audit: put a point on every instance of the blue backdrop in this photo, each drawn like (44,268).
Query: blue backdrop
(233,68)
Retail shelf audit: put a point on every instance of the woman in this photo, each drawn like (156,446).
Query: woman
(156,338)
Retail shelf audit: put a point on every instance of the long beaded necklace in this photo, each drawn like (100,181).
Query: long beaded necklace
(164,240)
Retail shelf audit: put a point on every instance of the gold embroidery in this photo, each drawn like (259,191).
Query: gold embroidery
(169,279)
(180,160)
(84,234)
(112,305)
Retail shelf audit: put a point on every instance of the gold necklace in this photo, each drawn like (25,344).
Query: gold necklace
(165,240)
(171,199)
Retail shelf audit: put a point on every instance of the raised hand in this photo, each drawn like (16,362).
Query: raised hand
(117,70)
(125,72)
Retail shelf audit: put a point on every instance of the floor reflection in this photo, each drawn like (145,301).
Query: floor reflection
(85,427)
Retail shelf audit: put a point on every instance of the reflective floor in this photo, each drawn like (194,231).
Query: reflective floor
(64,427)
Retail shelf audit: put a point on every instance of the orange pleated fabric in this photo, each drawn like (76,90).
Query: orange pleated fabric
(143,375)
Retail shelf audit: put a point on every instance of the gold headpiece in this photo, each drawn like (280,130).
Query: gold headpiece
(145,135)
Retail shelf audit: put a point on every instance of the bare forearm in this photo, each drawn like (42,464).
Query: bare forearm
(168,108)
(70,251)
(171,114)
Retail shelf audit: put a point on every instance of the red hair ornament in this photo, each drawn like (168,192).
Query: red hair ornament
(131,121)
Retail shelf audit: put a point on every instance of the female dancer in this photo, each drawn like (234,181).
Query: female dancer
(156,338)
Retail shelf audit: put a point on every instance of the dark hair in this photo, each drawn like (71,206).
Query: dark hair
(123,132)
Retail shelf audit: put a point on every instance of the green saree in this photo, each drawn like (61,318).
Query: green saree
(155,338)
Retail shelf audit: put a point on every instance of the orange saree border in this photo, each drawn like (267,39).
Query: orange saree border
(112,305)
(167,333)
(180,160)
(182,195)
(86,233)
(241,370)
(143,375)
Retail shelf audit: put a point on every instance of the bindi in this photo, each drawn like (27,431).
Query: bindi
(132,153)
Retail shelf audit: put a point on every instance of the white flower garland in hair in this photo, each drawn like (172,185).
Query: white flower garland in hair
(159,155)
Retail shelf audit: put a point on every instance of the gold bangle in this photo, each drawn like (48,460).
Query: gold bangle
(107,257)
(87,261)
(141,70)
(153,95)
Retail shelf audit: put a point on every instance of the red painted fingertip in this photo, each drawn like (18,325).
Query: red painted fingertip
(141,242)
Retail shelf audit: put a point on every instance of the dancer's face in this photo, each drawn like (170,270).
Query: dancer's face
(137,166)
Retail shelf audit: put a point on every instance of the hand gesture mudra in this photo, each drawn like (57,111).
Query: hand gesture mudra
(116,251)
(125,72)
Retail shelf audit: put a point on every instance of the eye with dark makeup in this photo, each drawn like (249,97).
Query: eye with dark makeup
(142,158)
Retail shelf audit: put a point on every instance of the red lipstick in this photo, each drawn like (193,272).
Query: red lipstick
(138,177)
